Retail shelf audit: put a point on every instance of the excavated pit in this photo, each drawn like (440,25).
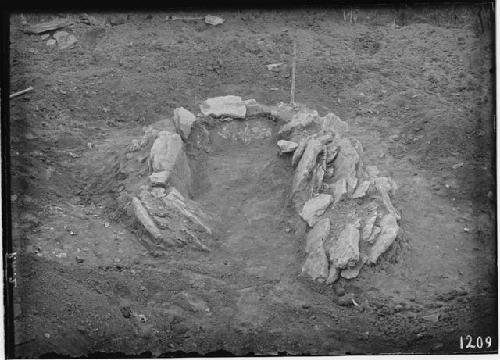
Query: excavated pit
(241,181)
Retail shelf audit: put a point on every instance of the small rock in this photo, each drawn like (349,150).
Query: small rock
(306,306)
(213,20)
(275,67)
(126,311)
(332,123)
(361,189)
(345,300)
(45,36)
(51,42)
(287,146)
(315,207)
(79,260)
(64,39)
(456,166)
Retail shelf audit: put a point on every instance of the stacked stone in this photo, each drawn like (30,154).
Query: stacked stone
(329,170)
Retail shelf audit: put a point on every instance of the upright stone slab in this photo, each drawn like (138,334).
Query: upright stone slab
(183,121)
(168,157)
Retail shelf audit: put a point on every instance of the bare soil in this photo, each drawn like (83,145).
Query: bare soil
(419,97)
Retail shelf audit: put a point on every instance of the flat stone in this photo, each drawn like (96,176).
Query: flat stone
(52,25)
(287,146)
(386,186)
(318,234)
(303,171)
(144,218)
(213,20)
(369,223)
(345,164)
(344,251)
(389,232)
(302,119)
(255,108)
(361,189)
(299,151)
(183,122)
(179,221)
(375,232)
(167,154)
(159,178)
(339,190)
(230,105)
(315,207)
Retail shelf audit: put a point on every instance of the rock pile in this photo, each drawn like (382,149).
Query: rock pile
(329,180)
(346,204)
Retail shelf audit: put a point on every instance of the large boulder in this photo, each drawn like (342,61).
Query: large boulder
(183,121)
(315,207)
(230,105)
(255,108)
(168,157)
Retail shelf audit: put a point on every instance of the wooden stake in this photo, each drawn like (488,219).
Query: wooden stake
(21,92)
(294,64)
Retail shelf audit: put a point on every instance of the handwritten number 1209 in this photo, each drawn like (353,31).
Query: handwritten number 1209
(468,342)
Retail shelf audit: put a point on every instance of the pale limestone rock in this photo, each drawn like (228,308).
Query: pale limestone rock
(167,154)
(345,164)
(302,176)
(318,234)
(287,146)
(375,232)
(316,264)
(315,207)
(255,108)
(361,189)
(339,190)
(351,273)
(331,122)
(369,223)
(388,234)
(299,151)
(344,251)
(302,119)
(230,105)
(183,121)
(142,215)
(64,39)
(386,185)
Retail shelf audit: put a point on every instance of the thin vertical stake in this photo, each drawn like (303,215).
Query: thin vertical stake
(294,64)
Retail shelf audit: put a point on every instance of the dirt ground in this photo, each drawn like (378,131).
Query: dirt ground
(417,93)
